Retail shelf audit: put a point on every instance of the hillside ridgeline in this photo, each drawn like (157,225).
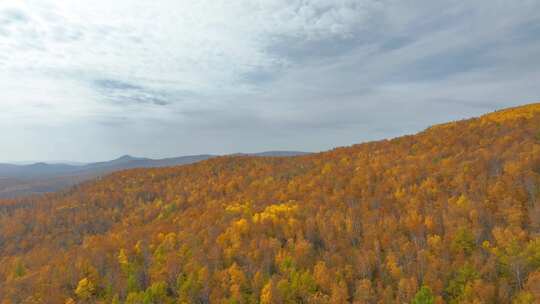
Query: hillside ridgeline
(449,215)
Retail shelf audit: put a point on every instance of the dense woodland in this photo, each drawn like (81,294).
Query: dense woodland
(450,215)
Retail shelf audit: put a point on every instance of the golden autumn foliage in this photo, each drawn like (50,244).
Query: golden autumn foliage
(449,215)
(85,289)
(523,112)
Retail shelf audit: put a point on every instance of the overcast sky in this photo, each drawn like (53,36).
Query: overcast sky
(92,80)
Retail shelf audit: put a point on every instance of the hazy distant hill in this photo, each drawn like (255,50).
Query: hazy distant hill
(16,180)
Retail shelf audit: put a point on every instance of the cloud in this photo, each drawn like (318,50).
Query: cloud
(214,76)
(117,91)
(9,16)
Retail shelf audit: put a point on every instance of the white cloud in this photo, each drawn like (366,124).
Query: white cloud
(136,71)
(203,45)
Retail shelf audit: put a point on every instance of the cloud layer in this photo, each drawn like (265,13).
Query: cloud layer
(91,80)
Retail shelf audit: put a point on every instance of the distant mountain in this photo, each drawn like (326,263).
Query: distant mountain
(35,170)
(17,180)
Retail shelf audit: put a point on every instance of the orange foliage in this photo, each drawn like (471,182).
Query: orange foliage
(454,208)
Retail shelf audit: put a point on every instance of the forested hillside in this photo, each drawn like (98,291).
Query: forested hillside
(450,215)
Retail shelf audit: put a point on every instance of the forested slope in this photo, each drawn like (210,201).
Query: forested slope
(450,215)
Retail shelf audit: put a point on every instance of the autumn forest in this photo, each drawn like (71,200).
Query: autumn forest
(449,215)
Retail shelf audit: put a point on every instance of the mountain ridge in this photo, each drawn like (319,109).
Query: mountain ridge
(43,177)
(448,215)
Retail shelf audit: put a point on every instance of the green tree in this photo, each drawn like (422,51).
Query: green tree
(135,298)
(20,270)
(156,293)
(423,296)
(133,282)
(189,287)
(464,241)
(461,284)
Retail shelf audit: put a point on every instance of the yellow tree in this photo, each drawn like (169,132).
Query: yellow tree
(85,289)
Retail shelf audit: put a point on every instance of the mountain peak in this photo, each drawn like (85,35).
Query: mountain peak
(126,157)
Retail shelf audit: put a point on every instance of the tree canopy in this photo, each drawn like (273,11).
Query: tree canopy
(449,215)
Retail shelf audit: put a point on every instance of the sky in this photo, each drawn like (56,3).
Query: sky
(92,80)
